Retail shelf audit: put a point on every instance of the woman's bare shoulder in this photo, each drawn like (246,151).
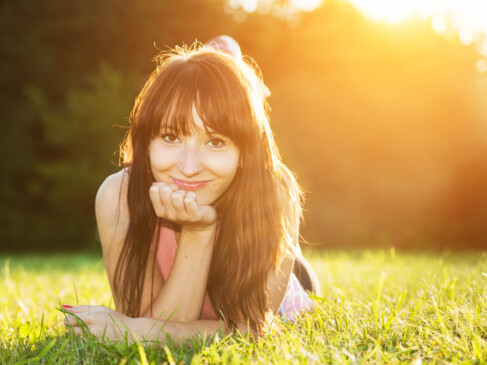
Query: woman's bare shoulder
(112,214)
(112,194)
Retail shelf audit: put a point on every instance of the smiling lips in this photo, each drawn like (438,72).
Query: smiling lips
(190,185)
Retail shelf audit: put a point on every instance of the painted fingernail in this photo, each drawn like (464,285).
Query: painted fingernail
(68,307)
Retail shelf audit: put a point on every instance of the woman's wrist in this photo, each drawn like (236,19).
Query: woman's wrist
(154,330)
(199,230)
(140,329)
(198,237)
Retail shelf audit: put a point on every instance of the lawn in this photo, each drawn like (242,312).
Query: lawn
(377,307)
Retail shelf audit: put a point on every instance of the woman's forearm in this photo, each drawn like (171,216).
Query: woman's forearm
(153,330)
(182,295)
(101,322)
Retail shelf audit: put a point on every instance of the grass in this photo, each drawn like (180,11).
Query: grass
(377,307)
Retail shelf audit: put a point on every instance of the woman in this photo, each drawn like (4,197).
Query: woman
(200,229)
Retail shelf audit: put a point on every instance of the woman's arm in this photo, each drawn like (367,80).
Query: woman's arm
(181,296)
(112,218)
(102,321)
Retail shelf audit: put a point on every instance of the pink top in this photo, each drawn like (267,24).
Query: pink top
(295,301)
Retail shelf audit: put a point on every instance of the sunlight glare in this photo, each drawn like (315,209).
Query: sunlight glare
(482,66)
(467,18)
(249,5)
(306,5)
(438,24)
(390,11)
(466,37)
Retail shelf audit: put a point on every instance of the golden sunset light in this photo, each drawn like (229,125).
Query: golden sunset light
(466,19)
(243,181)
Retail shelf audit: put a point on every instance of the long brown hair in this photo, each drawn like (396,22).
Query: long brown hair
(258,214)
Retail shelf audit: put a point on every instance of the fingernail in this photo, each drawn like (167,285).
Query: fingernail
(68,307)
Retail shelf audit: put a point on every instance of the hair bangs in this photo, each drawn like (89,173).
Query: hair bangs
(174,111)
(223,104)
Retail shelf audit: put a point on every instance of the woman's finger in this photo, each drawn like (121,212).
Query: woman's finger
(77,320)
(173,187)
(178,203)
(190,203)
(166,198)
(87,308)
(67,322)
(155,198)
(208,214)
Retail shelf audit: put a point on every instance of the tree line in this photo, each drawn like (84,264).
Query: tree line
(384,125)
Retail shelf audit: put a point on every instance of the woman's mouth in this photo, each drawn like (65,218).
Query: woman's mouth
(189,185)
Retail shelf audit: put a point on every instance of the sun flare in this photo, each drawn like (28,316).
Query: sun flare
(465,18)
(391,11)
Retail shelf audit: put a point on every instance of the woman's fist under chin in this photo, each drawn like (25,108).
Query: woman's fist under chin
(180,207)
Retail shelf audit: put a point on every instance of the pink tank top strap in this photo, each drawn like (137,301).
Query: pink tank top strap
(166,252)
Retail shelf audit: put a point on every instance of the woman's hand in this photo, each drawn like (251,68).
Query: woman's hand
(100,321)
(103,322)
(180,207)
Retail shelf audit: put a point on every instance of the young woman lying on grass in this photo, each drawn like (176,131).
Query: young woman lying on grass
(200,230)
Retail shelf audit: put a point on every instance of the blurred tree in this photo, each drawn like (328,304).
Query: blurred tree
(382,116)
(70,71)
(384,125)
(82,135)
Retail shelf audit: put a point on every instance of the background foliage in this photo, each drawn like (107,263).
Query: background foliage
(385,126)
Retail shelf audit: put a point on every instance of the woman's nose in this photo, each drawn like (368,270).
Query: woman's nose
(190,163)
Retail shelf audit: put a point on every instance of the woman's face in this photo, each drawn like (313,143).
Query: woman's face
(201,162)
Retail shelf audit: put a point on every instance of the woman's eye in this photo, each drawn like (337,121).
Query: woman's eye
(170,138)
(216,142)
